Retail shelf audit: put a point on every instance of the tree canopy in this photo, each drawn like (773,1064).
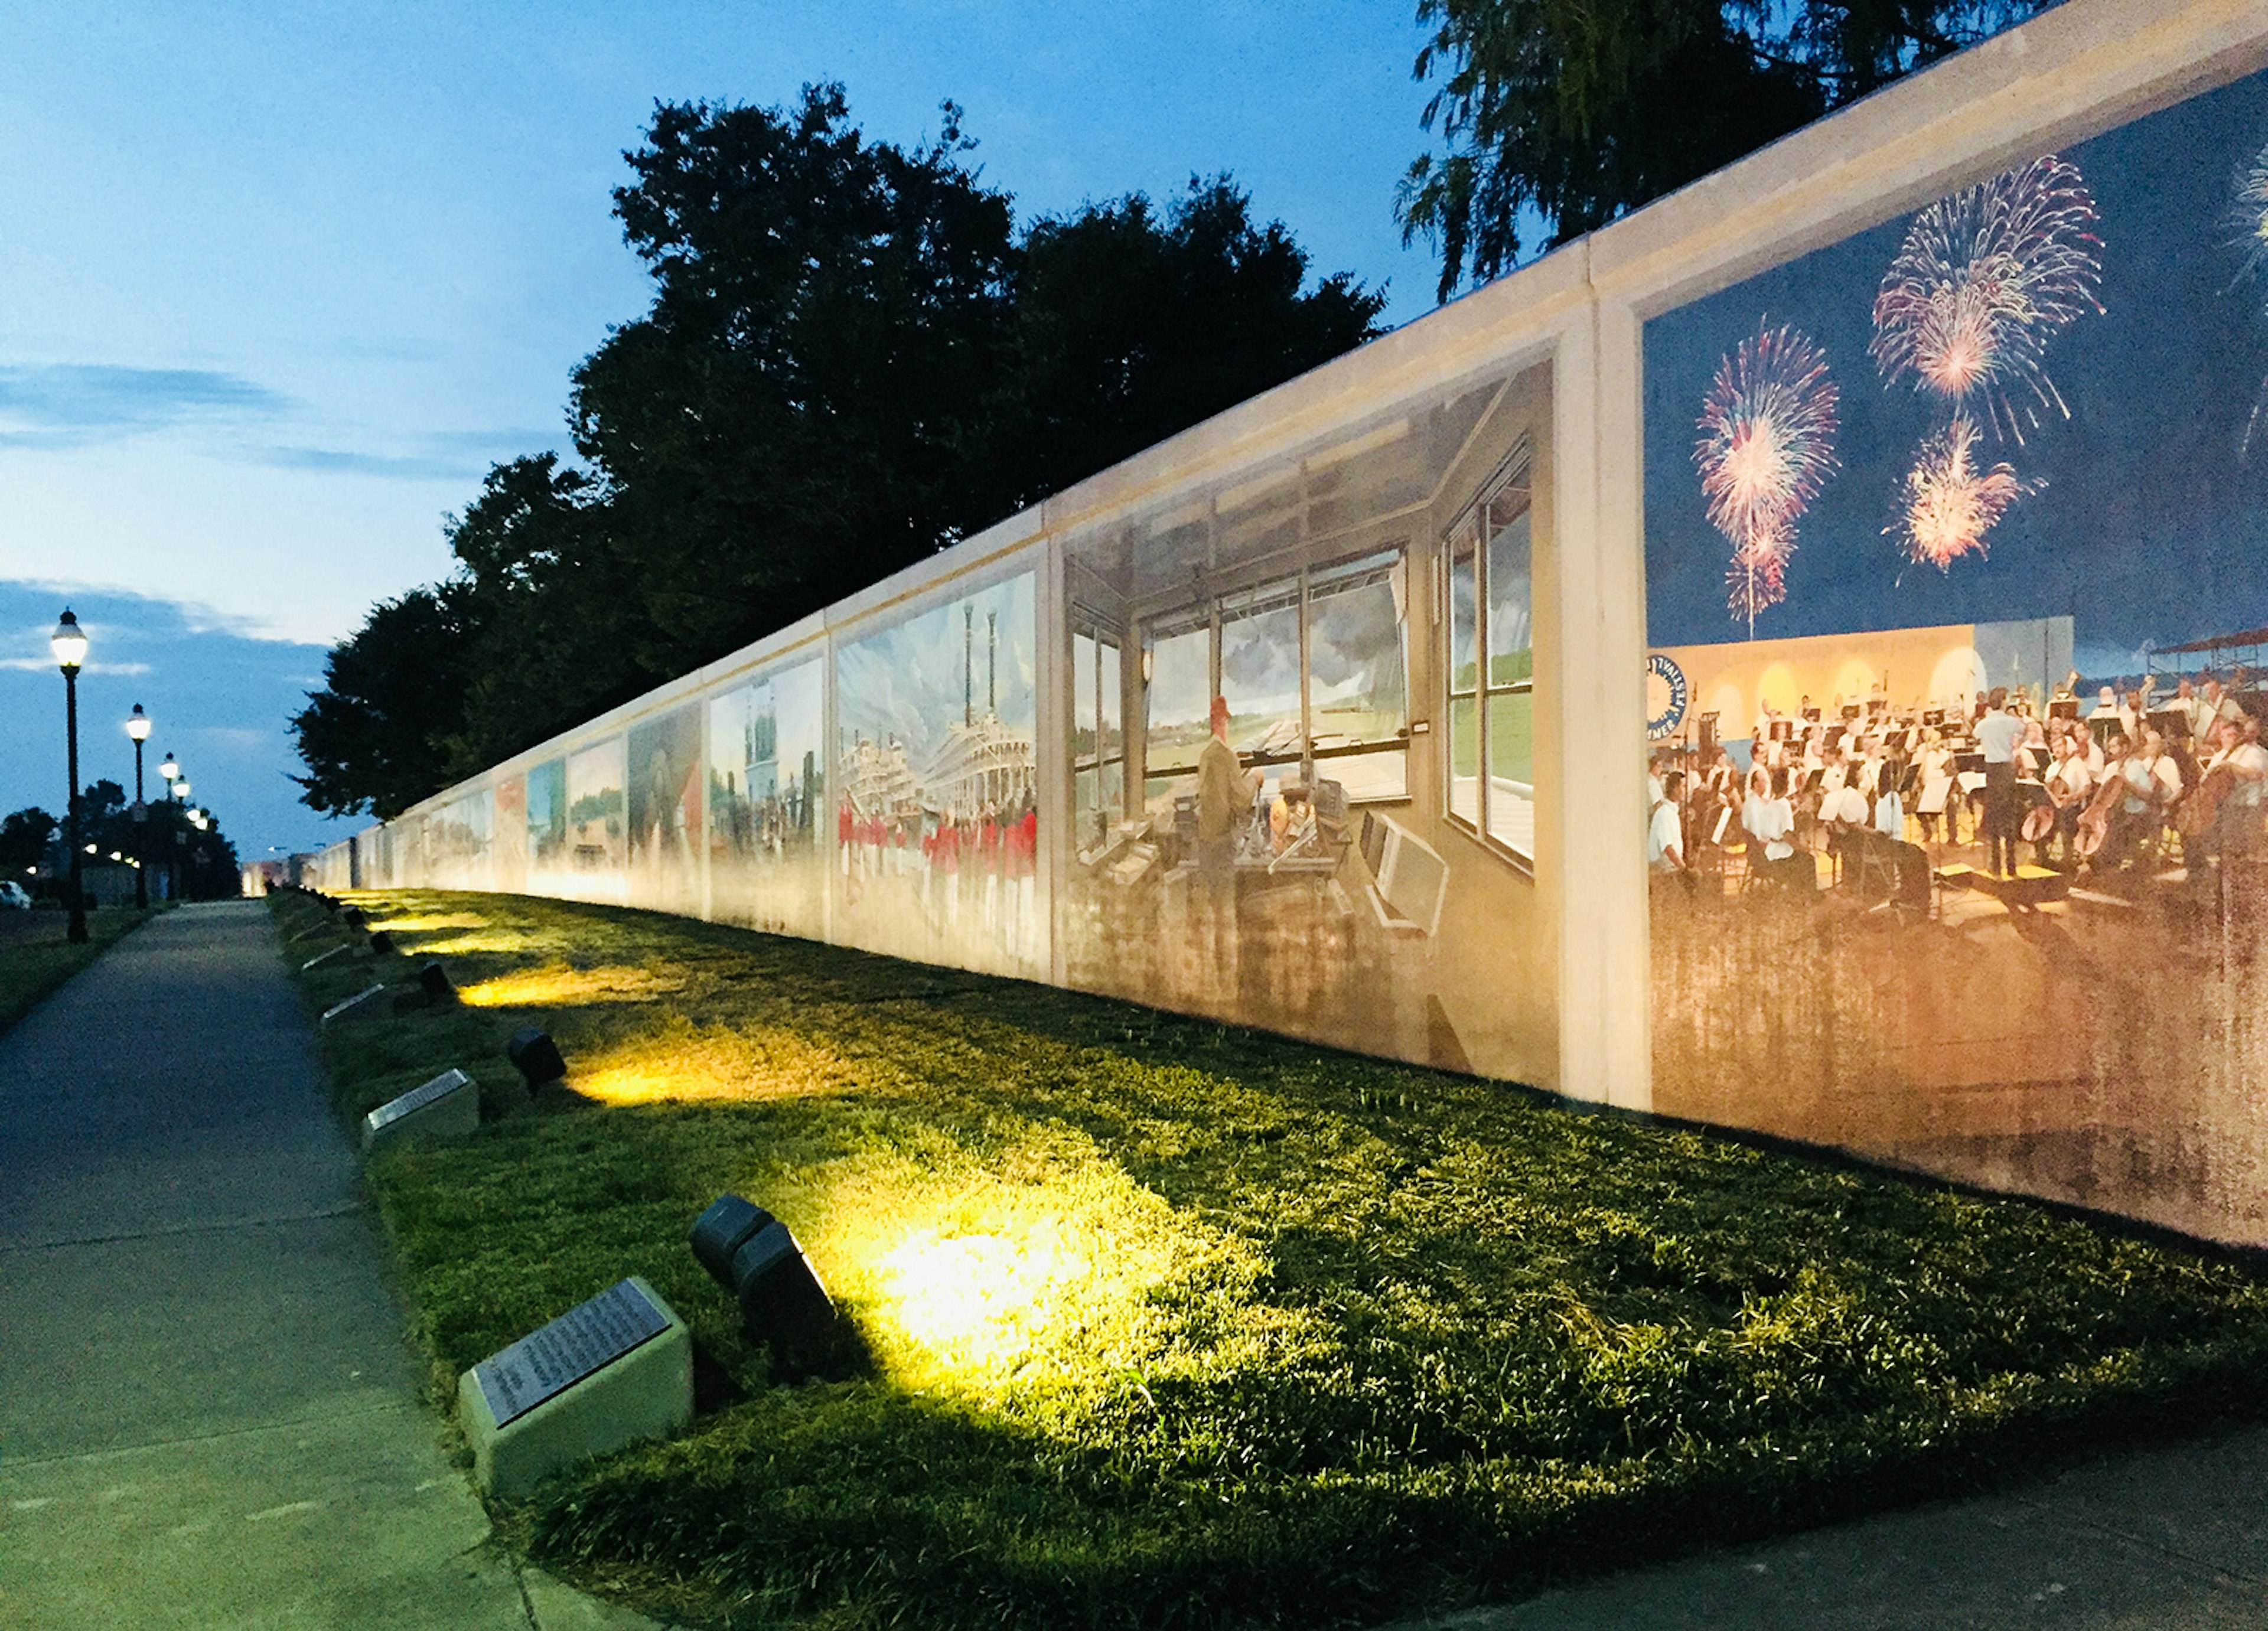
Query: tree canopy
(1555,117)
(853,358)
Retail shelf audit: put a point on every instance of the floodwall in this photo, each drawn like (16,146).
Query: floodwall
(1607,663)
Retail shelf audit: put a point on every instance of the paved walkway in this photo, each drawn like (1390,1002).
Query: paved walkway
(208,1417)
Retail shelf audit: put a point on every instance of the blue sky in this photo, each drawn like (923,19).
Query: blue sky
(277,284)
(2145,524)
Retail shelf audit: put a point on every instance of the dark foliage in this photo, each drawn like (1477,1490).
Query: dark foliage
(373,738)
(852,359)
(1558,115)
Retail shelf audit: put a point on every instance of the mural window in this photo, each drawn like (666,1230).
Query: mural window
(1491,666)
(1098,733)
(1312,668)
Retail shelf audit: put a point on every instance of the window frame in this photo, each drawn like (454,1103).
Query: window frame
(1514,476)
(1299,589)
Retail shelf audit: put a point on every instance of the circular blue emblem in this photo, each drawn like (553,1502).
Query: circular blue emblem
(1665,697)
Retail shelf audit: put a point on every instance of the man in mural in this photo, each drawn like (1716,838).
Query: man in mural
(1997,734)
(1225,792)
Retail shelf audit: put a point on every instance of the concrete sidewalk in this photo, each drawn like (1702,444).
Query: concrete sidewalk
(208,1417)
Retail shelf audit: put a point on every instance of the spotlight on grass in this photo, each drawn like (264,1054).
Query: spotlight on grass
(751,1255)
(536,1057)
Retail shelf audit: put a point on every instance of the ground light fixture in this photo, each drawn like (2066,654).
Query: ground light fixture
(68,644)
(753,1255)
(536,1057)
(434,980)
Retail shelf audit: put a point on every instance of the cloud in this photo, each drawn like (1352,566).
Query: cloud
(65,403)
(90,668)
(338,461)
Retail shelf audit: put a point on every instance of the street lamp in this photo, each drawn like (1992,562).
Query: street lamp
(138,726)
(170,771)
(69,643)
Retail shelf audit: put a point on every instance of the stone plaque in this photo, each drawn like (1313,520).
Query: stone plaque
(359,1001)
(331,955)
(418,1098)
(581,1341)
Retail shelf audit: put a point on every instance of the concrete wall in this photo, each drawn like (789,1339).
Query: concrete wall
(1215,553)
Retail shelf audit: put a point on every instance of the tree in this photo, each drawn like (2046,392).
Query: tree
(1131,327)
(23,840)
(376,737)
(1566,115)
(852,359)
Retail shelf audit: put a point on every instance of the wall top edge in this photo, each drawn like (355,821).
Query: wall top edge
(2078,68)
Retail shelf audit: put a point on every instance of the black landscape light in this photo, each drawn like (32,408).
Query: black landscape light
(752,1254)
(381,942)
(438,986)
(536,1057)
(723,1230)
(353,917)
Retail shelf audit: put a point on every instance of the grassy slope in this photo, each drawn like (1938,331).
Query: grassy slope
(36,960)
(1172,1324)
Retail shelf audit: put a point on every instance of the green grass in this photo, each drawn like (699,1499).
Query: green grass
(36,957)
(1175,1325)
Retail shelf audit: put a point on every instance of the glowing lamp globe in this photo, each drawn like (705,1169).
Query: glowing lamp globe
(170,770)
(69,643)
(137,724)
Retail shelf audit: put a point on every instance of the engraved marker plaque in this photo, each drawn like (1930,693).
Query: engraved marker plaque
(331,955)
(418,1098)
(340,1009)
(583,1340)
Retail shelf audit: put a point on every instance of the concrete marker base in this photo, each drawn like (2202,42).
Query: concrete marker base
(644,1392)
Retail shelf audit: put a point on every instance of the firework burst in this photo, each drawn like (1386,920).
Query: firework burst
(1767,448)
(1984,280)
(1947,503)
(2249,216)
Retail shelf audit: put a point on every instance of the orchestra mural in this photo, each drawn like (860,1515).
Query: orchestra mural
(1956,812)
(936,798)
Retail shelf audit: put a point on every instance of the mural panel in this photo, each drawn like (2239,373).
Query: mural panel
(548,863)
(767,756)
(596,811)
(508,849)
(1272,833)
(665,811)
(1955,533)
(936,808)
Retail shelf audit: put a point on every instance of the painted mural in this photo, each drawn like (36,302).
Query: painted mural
(1957,574)
(663,811)
(596,808)
(936,796)
(767,797)
(1302,745)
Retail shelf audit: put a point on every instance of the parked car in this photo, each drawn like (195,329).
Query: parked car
(12,898)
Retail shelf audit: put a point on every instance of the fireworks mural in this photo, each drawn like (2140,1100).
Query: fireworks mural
(2248,213)
(1984,282)
(1767,448)
(1948,503)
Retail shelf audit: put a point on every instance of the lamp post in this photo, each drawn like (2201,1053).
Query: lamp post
(171,772)
(69,643)
(138,726)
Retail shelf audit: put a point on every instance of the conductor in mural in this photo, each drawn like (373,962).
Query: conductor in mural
(1225,792)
